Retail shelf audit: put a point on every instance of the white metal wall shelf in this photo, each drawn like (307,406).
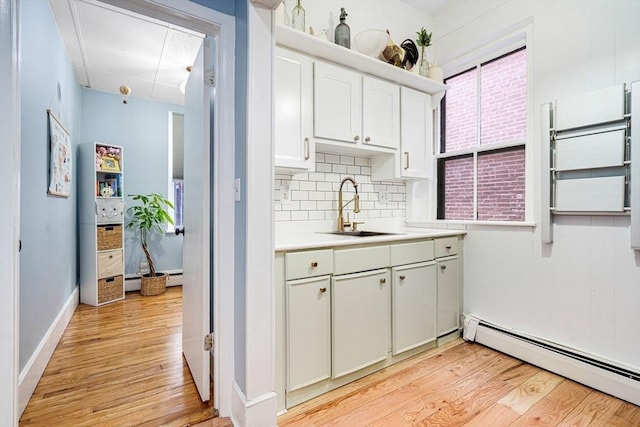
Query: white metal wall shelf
(590,167)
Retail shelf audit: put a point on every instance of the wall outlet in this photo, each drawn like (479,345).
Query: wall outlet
(383,196)
(285,192)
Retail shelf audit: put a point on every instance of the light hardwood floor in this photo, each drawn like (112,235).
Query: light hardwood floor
(463,384)
(120,365)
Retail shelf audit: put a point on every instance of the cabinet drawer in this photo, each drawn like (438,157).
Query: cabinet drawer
(109,237)
(308,264)
(360,259)
(109,263)
(409,253)
(446,246)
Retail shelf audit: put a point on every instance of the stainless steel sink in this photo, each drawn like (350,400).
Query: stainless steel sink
(360,233)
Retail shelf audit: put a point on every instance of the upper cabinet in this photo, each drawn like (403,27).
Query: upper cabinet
(355,109)
(340,101)
(294,144)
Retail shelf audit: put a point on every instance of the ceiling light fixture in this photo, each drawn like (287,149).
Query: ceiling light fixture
(183,85)
(125,91)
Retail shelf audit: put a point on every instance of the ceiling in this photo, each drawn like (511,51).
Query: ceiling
(110,47)
(432,7)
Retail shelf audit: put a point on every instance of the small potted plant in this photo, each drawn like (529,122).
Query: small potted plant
(424,40)
(148,217)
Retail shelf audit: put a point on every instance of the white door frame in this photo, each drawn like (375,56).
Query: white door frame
(208,21)
(9,209)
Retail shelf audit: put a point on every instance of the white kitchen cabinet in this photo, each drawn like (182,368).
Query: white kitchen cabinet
(448,319)
(308,331)
(355,109)
(416,137)
(413,306)
(360,320)
(293,116)
(414,159)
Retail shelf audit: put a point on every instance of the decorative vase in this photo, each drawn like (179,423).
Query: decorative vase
(435,72)
(298,17)
(342,34)
(423,68)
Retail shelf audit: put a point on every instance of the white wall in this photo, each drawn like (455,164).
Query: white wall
(583,290)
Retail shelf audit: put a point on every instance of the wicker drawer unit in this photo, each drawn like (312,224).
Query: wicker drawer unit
(110,289)
(109,237)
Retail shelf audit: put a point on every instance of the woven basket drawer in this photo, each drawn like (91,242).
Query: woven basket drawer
(109,263)
(109,237)
(110,289)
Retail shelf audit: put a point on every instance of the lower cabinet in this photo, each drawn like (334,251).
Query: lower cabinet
(308,338)
(360,314)
(448,300)
(413,306)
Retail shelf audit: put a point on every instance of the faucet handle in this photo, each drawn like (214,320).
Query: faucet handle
(346,223)
(354,225)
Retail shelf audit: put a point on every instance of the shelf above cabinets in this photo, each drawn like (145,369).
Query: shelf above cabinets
(322,49)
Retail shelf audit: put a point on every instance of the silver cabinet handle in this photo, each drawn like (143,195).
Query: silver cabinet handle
(383,281)
(367,139)
(402,277)
(406,154)
(356,138)
(306,149)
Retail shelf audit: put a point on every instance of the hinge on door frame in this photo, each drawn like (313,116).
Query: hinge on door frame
(209,78)
(208,342)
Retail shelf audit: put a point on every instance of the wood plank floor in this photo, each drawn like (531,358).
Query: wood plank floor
(462,384)
(120,365)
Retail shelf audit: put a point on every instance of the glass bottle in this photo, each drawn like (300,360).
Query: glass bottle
(298,17)
(343,32)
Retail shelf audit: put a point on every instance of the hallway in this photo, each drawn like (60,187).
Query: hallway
(120,365)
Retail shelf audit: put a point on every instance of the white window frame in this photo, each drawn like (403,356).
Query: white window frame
(509,40)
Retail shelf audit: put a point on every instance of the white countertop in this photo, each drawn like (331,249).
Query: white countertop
(313,240)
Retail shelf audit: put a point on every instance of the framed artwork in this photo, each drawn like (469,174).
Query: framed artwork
(60,168)
(110,164)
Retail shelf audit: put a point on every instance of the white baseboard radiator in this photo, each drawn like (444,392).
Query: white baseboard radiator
(621,382)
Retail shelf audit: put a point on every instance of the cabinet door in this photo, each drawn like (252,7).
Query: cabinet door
(416,140)
(413,306)
(308,307)
(448,299)
(380,113)
(337,108)
(361,326)
(294,146)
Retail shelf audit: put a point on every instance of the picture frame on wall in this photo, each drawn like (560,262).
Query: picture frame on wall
(60,166)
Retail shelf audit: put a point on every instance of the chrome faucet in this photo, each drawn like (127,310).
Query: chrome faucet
(356,204)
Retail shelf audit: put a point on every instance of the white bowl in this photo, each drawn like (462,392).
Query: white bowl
(371,42)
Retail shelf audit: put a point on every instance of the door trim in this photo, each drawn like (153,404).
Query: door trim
(10,209)
(211,22)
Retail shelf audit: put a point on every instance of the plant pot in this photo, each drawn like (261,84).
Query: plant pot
(153,285)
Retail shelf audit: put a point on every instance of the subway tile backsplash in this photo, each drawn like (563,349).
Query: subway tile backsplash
(314,195)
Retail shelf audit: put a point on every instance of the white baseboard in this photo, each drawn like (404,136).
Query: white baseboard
(33,370)
(133,283)
(584,373)
(260,411)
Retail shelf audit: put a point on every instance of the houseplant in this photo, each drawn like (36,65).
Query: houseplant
(424,40)
(148,217)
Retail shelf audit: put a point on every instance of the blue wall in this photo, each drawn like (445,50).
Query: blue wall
(141,128)
(48,260)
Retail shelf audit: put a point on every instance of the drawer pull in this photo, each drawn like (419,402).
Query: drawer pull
(108,228)
(383,281)
(443,267)
(356,138)
(402,277)
(314,264)
(323,290)
(367,139)
(447,247)
(110,256)
(110,279)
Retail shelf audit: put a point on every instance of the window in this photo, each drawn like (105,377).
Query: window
(176,167)
(481,165)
